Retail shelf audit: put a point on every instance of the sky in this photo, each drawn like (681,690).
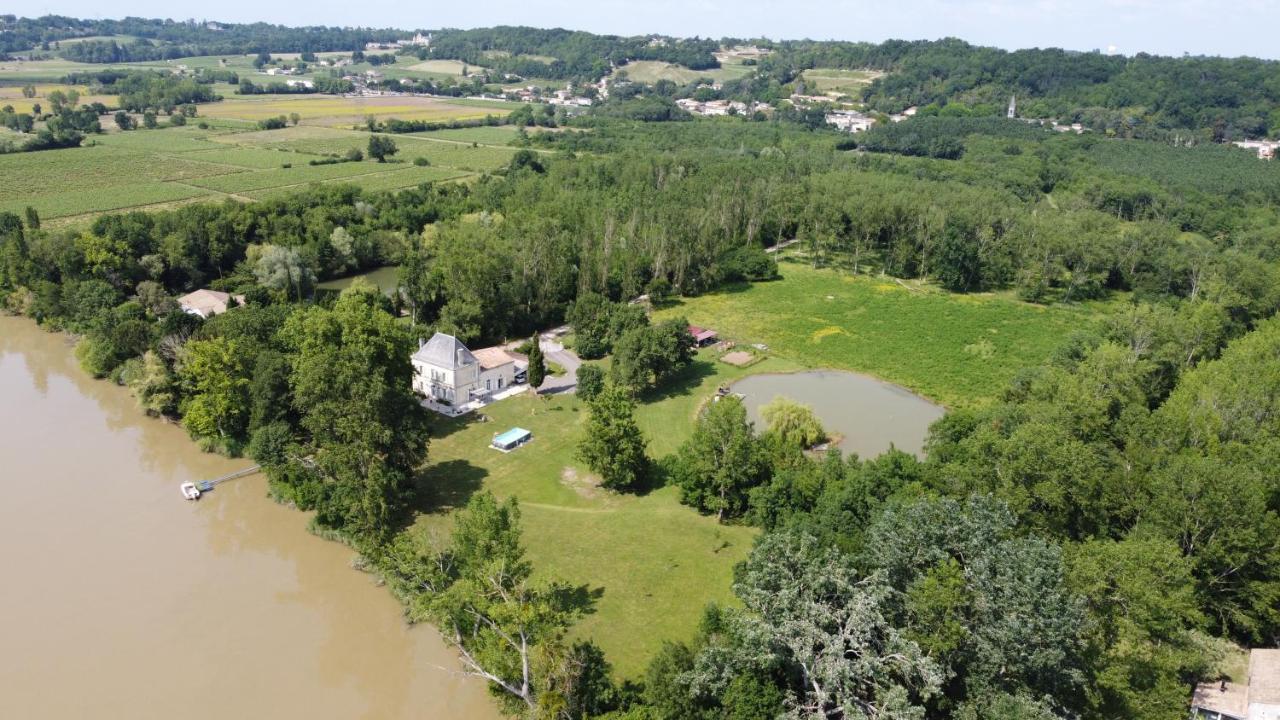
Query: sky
(1166,27)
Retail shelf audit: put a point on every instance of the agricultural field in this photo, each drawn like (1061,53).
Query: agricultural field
(959,350)
(653,562)
(332,141)
(41,71)
(845,82)
(335,111)
(489,135)
(12,95)
(443,68)
(146,168)
(651,71)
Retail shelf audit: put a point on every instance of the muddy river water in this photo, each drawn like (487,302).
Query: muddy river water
(119,599)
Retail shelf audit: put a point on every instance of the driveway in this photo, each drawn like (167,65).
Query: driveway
(555,352)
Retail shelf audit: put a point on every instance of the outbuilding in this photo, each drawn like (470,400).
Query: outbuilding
(702,337)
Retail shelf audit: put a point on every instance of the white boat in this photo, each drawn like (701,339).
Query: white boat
(190,491)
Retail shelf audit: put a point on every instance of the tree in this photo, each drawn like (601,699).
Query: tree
(381,147)
(1141,599)
(590,382)
(149,120)
(283,269)
(810,613)
(644,357)
(124,121)
(214,375)
(506,629)
(294,118)
(613,445)
(28,91)
(991,608)
(721,462)
(794,424)
(365,432)
(537,364)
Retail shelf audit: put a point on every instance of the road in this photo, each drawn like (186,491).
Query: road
(555,352)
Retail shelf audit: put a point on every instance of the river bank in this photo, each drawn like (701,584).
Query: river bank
(124,601)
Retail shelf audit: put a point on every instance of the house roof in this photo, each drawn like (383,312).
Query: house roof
(207,302)
(701,333)
(1245,699)
(445,351)
(492,357)
(1229,699)
(1264,677)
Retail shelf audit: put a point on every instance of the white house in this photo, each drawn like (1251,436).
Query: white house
(446,371)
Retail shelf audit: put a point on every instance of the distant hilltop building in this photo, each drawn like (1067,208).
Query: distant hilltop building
(1013,107)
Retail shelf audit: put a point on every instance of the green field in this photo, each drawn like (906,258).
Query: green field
(489,135)
(846,82)
(955,349)
(437,152)
(121,170)
(654,563)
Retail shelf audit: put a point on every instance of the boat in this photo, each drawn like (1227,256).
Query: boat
(190,491)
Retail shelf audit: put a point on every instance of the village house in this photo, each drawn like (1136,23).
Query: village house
(207,303)
(850,121)
(1266,149)
(1257,698)
(445,371)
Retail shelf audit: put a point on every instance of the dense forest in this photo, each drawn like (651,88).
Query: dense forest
(168,39)
(565,54)
(1143,95)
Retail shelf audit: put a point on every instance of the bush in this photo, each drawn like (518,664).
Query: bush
(420,161)
(590,382)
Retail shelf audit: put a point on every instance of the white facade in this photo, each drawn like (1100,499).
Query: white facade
(447,372)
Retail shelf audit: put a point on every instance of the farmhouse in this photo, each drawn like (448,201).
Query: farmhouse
(1258,698)
(444,370)
(207,303)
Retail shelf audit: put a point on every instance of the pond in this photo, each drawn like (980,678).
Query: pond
(385,278)
(867,414)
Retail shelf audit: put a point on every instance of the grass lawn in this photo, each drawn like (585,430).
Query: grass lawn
(653,563)
(955,349)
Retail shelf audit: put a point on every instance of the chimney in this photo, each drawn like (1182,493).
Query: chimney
(458,352)
(421,342)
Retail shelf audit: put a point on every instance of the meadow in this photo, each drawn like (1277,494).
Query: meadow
(958,350)
(846,82)
(651,563)
(651,71)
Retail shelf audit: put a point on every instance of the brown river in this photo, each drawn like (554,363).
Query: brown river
(119,599)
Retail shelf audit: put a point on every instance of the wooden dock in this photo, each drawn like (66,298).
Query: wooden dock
(205,485)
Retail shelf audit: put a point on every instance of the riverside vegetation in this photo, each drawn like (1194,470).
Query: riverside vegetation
(1094,523)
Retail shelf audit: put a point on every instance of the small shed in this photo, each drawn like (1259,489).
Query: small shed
(511,439)
(702,337)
